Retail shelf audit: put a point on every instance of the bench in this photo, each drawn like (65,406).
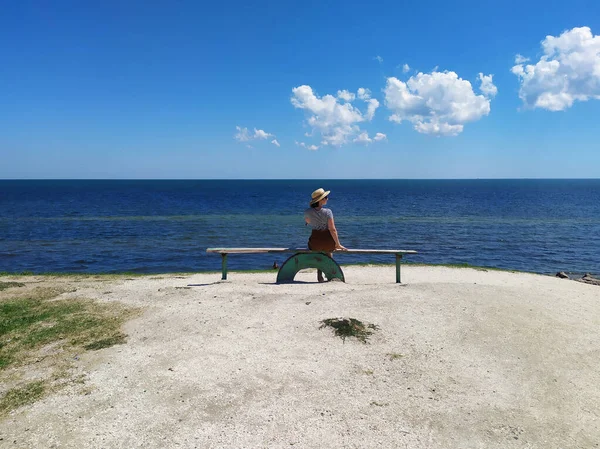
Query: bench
(305,258)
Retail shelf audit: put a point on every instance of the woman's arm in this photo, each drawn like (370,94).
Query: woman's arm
(334,234)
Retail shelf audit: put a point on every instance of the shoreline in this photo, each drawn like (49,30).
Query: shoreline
(266,270)
(586,277)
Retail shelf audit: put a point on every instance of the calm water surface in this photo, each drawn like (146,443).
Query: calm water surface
(542,226)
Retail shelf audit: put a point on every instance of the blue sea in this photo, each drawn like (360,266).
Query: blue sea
(150,226)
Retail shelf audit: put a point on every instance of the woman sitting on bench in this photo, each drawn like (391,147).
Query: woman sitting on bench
(324,236)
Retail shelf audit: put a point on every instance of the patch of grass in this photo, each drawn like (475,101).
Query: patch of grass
(5,285)
(395,355)
(350,327)
(16,397)
(379,404)
(36,325)
(118,339)
(29,323)
(16,273)
(115,275)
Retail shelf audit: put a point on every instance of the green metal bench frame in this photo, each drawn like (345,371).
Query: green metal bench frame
(299,261)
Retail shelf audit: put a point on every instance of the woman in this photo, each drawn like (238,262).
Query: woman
(324,235)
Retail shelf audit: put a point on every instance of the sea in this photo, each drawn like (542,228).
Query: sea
(159,226)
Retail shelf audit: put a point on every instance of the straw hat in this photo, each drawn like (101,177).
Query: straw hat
(318,195)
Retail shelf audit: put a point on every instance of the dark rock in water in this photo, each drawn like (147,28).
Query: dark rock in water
(275,266)
(562,275)
(589,279)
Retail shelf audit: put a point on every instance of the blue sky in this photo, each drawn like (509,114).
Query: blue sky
(161,89)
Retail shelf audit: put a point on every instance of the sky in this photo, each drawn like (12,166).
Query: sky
(299,90)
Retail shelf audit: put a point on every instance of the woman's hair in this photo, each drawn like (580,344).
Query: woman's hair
(315,205)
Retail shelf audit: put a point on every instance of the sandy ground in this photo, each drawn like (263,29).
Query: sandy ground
(483,359)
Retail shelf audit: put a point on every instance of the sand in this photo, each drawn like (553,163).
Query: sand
(463,358)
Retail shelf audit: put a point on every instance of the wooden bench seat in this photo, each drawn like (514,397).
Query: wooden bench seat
(306,258)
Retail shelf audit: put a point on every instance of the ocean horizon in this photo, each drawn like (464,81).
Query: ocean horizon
(165,225)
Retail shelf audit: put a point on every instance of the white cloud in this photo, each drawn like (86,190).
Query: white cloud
(435,103)
(308,147)
(345,95)
(378,58)
(274,142)
(487,86)
(363,94)
(243,135)
(405,68)
(249,146)
(371,108)
(336,122)
(520,59)
(568,71)
(435,127)
(363,137)
(260,134)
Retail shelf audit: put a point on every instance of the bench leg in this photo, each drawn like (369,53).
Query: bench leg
(299,261)
(224,266)
(398,259)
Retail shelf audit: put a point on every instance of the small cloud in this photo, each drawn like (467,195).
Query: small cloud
(363,94)
(345,95)
(274,142)
(242,134)
(371,108)
(308,147)
(405,68)
(487,87)
(520,59)
(372,104)
(260,134)
(378,58)
(249,146)
(363,138)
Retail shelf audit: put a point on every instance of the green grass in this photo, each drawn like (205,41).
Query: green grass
(5,285)
(17,397)
(103,275)
(31,322)
(117,339)
(36,319)
(350,327)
